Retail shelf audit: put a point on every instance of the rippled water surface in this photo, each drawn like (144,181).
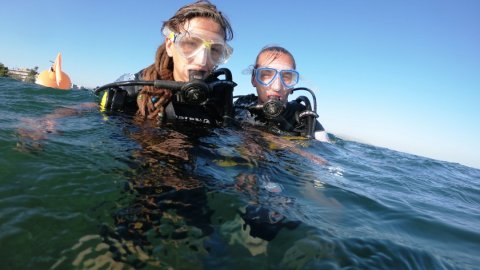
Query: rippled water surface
(84,190)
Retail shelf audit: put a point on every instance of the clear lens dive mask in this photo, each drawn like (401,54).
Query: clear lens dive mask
(190,44)
(266,76)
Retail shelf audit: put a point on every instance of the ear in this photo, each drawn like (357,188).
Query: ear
(254,82)
(169,47)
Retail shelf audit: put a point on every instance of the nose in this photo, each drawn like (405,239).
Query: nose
(201,57)
(276,84)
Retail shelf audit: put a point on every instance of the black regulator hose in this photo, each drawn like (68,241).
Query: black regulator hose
(228,102)
(172,85)
(311,92)
(223,71)
(309,115)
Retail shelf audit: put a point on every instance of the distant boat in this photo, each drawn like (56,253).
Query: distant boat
(54,77)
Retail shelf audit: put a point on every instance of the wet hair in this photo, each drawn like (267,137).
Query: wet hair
(274,51)
(162,69)
(203,9)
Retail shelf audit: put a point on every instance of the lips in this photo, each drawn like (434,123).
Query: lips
(204,69)
(274,95)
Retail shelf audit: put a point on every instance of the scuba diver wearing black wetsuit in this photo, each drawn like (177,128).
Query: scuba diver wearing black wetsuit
(296,118)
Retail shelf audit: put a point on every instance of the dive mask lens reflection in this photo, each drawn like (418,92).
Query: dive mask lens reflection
(265,76)
(189,45)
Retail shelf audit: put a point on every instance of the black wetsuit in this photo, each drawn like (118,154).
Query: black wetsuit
(211,111)
(287,123)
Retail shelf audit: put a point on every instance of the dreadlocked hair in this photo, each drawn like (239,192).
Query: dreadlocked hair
(162,69)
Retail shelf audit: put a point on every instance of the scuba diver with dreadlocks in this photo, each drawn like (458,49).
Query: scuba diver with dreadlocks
(182,84)
(274,76)
(182,89)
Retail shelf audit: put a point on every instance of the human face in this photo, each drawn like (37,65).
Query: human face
(204,28)
(276,89)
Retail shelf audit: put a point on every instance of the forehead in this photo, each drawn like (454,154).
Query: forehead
(204,26)
(278,60)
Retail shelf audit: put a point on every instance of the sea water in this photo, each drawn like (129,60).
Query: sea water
(81,189)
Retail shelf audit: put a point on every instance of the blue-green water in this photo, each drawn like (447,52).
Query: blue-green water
(83,190)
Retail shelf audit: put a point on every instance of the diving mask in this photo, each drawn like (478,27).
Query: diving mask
(190,44)
(266,76)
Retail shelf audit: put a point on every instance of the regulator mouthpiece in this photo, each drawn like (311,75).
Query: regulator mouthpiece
(273,108)
(196,90)
(196,74)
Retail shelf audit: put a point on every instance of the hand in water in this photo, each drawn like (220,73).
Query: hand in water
(33,130)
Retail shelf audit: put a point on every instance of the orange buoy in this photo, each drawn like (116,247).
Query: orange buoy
(54,77)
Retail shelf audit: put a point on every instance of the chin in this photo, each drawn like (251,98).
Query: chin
(182,78)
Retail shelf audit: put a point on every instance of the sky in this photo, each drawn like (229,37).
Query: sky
(401,74)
